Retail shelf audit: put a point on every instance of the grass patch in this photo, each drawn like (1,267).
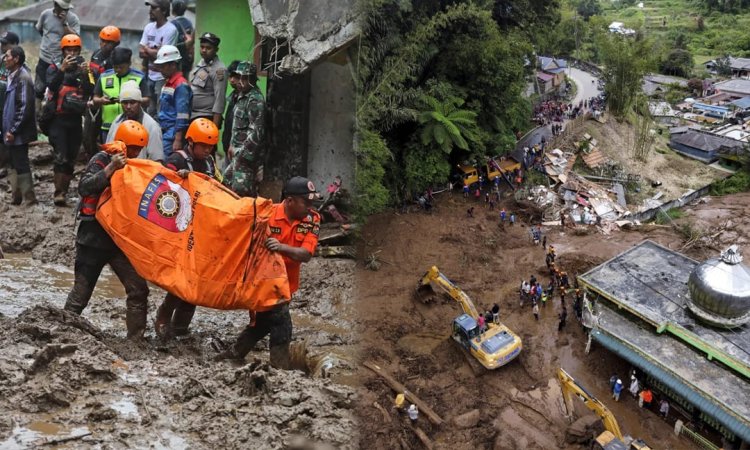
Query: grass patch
(739,182)
(665,218)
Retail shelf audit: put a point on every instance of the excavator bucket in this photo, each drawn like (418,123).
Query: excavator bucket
(425,294)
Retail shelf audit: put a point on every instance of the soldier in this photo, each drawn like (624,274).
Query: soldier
(209,82)
(247,150)
(94,247)
(70,84)
(294,234)
(174,101)
(226,133)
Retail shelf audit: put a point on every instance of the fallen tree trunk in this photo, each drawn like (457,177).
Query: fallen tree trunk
(401,389)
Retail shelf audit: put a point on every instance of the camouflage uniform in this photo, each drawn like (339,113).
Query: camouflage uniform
(248,134)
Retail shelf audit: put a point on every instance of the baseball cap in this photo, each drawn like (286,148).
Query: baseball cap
(302,187)
(210,38)
(9,37)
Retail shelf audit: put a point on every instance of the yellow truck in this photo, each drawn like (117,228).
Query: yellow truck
(495,167)
(493,348)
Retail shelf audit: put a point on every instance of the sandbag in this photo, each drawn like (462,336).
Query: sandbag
(193,237)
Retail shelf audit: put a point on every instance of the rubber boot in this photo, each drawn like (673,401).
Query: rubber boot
(15,189)
(281,358)
(26,185)
(182,317)
(135,320)
(163,321)
(59,197)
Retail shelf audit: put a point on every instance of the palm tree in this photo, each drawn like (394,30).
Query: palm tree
(446,125)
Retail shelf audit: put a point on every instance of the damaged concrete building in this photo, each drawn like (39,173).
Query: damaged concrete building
(303,51)
(683,325)
(306,52)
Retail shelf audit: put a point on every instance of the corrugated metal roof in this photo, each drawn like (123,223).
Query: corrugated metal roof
(129,15)
(704,141)
(544,76)
(702,403)
(737,85)
(742,103)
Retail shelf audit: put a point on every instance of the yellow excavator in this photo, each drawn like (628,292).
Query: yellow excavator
(612,438)
(495,347)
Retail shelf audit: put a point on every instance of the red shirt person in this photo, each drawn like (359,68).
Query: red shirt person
(294,227)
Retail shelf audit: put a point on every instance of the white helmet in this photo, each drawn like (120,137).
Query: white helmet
(167,53)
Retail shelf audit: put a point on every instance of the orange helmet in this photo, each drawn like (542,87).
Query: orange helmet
(132,133)
(204,131)
(70,40)
(110,33)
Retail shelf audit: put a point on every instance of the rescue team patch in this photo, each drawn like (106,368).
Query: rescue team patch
(302,229)
(275,230)
(166,204)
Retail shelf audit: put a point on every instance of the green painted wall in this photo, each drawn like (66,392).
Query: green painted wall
(231,21)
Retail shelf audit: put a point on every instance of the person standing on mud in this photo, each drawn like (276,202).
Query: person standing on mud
(94,247)
(70,84)
(19,125)
(563,316)
(174,314)
(535,310)
(295,227)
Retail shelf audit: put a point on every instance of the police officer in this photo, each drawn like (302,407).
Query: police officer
(209,81)
(294,227)
(107,90)
(248,149)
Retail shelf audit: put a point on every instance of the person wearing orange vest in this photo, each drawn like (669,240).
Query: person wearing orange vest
(294,227)
(94,247)
(69,85)
(174,314)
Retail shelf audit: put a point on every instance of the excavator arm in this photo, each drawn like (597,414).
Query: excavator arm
(570,386)
(434,277)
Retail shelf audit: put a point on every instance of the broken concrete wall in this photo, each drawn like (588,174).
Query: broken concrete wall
(331,134)
(313,28)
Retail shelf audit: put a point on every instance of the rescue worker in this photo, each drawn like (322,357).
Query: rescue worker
(132,101)
(70,84)
(53,24)
(174,314)
(157,33)
(209,82)
(185,32)
(295,227)
(175,100)
(8,39)
(247,150)
(19,125)
(101,60)
(94,247)
(107,89)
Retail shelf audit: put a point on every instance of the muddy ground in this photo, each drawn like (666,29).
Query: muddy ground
(64,377)
(518,405)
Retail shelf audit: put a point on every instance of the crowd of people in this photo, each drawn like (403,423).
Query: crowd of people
(170,112)
(165,95)
(640,392)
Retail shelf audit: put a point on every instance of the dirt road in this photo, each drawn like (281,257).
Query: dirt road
(519,405)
